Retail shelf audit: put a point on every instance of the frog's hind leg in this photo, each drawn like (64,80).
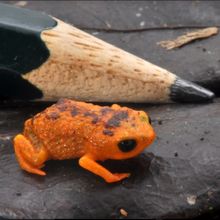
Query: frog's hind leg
(29,158)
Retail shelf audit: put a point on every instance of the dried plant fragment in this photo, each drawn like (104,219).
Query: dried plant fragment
(123,212)
(188,37)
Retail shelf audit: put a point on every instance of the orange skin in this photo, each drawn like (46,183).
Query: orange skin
(70,129)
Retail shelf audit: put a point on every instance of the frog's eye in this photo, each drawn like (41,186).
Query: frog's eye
(127,145)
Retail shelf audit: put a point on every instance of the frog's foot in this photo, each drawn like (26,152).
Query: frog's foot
(90,164)
(29,158)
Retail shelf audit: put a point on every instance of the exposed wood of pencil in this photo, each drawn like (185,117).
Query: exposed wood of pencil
(86,68)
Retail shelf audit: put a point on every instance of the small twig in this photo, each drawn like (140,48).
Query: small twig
(131,30)
(188,37)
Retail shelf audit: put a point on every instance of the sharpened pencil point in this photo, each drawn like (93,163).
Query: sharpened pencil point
(188,92)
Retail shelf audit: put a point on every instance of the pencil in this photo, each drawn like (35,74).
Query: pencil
(44,58)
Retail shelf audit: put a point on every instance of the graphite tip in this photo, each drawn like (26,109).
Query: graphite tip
(188,92)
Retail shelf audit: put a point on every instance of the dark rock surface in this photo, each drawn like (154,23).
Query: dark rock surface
(125,15)
(178,176)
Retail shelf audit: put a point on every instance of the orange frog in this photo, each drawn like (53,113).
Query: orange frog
(70,129)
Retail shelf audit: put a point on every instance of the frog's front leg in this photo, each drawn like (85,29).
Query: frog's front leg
(29,157)
(90,164)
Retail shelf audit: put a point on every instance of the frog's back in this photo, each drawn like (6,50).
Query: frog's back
(67,128)
(63,128)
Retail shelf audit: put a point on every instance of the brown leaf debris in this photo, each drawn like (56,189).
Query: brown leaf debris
(188,37)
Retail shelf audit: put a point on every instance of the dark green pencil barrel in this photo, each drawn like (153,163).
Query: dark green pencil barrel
(21,50)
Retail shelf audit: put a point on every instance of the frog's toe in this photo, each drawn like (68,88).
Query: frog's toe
(27,167)
(20,143)
(118,177)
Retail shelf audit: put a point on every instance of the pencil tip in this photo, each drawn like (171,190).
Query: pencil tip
(186,91)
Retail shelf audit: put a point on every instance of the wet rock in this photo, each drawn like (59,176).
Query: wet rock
(162,184)
(141,14)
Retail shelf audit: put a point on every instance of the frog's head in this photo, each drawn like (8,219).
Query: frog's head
(125,134)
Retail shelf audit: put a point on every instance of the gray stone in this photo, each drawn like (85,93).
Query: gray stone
(126,15)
